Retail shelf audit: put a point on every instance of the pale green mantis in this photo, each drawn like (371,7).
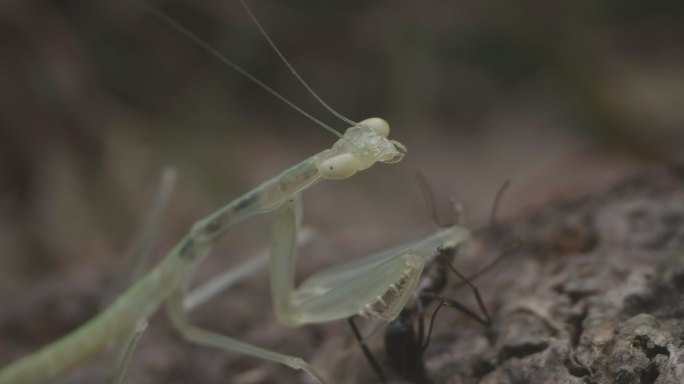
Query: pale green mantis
(360,147)
(377,286)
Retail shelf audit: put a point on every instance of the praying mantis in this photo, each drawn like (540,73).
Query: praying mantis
(377,286)
(360,147)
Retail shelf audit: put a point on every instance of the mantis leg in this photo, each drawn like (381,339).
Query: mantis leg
(127,351)
(283,257)
(204,292)
(378,285)
(142,249)
(205,337)
(140,253)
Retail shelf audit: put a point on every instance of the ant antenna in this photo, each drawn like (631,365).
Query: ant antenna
(162,16)
(289,66)
(497,201)
(429,196)
(495,208)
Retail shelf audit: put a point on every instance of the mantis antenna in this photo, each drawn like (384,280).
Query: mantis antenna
(162,16)
(289,66)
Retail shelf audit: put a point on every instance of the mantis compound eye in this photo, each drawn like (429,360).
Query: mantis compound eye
(339,166)
(377,124)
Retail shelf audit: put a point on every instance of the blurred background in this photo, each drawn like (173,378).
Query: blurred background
(97,98)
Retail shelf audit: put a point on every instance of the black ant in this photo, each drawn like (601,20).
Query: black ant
(406,339)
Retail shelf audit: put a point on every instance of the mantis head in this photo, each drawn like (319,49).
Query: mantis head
(361,146)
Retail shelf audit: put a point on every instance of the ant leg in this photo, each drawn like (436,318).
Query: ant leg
(487,319)
(426,341)
(454,304)
(444,301)
(366,351)
(420,309)
(447,302)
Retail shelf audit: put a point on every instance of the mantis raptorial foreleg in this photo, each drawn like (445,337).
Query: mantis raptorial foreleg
(353,288)
(377,285)
(283,257)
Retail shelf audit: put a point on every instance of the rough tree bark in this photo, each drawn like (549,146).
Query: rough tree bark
(595,294)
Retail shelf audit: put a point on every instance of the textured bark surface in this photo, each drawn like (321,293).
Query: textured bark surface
(595,294)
